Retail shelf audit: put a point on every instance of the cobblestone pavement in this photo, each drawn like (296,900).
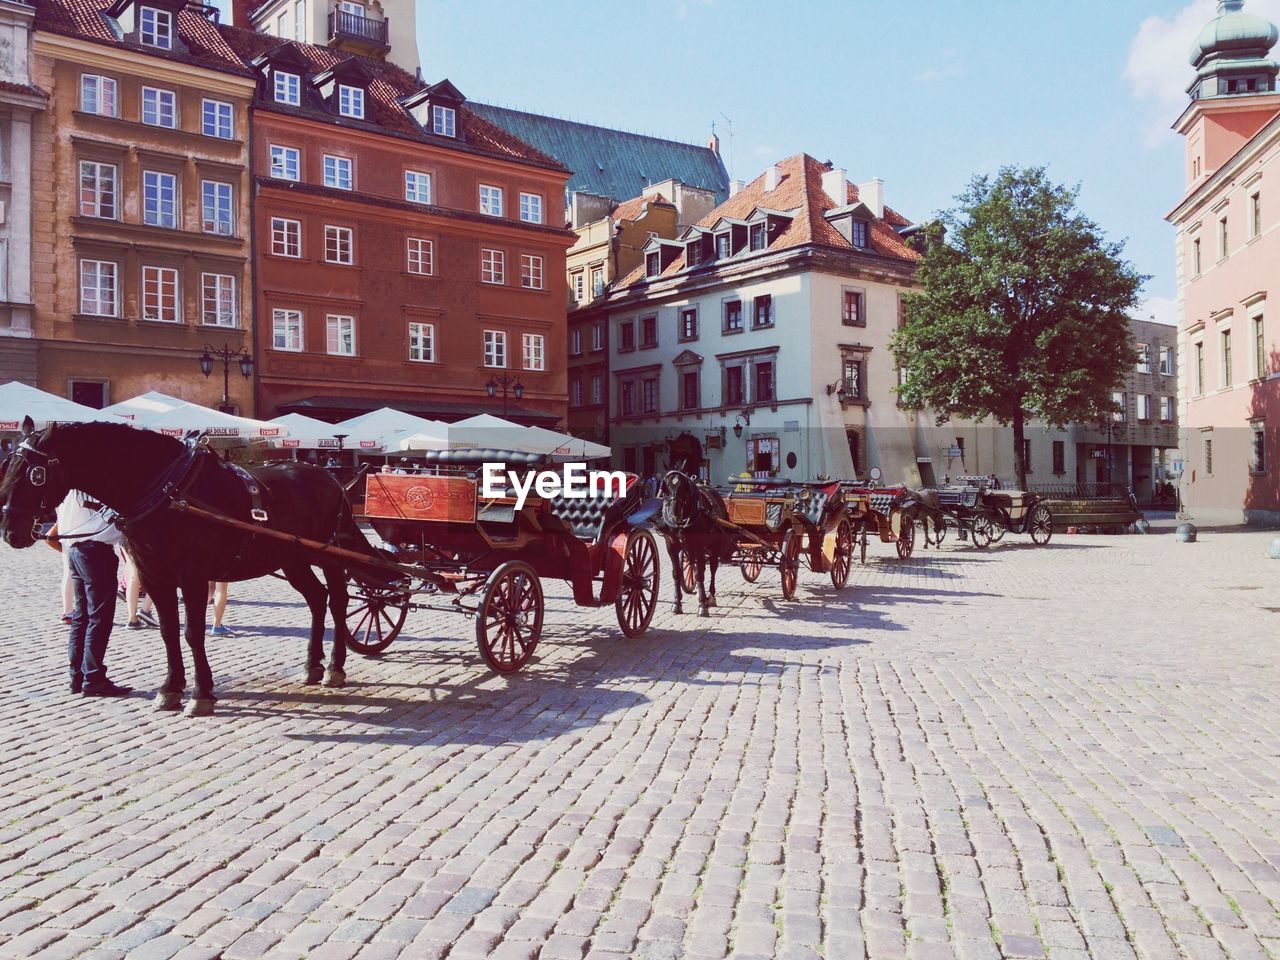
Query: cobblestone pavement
(1068,751)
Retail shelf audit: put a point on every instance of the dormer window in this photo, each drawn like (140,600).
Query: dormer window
(288,87)
(444,121)
(722,245)
(652,264)
(693,252)
(759,236)
(155,28)
(859,234)
(351,101)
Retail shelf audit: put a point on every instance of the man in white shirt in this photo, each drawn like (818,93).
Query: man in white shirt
(90,537)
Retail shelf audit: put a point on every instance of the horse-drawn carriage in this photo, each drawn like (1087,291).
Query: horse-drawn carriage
(449,540)
(888,512)
(983,513)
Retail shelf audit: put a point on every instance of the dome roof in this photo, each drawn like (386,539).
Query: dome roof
(1234,34)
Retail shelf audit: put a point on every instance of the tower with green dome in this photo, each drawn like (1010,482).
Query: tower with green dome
(1232,54)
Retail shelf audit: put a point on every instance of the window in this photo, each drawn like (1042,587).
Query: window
(217,215)
(1226,358)
(1166,409)
(98,95)
(1059,456)
(97,190)
(652,264)
(99,295)
(597,388)
(853,315)
(530,208)
(1222,238)
(422,342)
(493,266)
(1258,446)
(627,336)
(284,162)
(1255,215)
(1208,456)
(337,172)
(218,300)
(530,272)
(351,101)
(763,387)
(733,316)
(340,336)
(858,234)
(1144,406)
(534,351)
(495,348)
(287,88)
(690,390)
(689,323)
(417,186)
(421,256)
(491,200)
(648,332)
(1166,362)
(855,379)
(339,245)
(649,393)
(577,283)
(1144,358)
(1118,411)
(722,245)
(160,294)
(628,403)
(575,392)
(1199,348)
(159,107)
(4,270)
(155,28)
(282,24)
(759,236)
(444,121)
(299,19)
(1259,349)
(286,330)
(597,336)
(1195,257)
(597,281)
(763,312)
(734,385)
(693,252)
(575,342)
(286,237)
(217,119)
(160,199)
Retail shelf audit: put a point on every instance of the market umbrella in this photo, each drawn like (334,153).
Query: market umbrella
(384,423)
(214,423)
(308,433)
(18,400)
(488,431)
(145,405)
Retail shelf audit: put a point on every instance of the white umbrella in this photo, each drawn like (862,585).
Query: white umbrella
(563,446)
(308,433)
(486,431)
(386,422)
(417,440)
(18,400)
(214,423)
(144,405)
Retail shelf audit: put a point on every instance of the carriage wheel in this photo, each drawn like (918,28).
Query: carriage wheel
(982,531)
(939,531)
(789,564)
(509,618)
(1040,524)
(842,563)
(638,595)
(906,538)
(374,616)
(999,526)
(750,567)
(688,575)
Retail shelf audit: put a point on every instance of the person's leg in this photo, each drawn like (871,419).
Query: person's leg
(79,618)
(100,589)
(219,603)
(132,591)
(68,591)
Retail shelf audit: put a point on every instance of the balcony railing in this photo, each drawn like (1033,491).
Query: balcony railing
(352,26)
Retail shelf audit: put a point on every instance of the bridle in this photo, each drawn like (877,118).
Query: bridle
(43,473)
(678,487)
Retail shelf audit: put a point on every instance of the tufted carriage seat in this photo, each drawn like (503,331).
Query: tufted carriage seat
(588,517)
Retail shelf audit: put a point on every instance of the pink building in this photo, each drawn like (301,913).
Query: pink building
(1228,257)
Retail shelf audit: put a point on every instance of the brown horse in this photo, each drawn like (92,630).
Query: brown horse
(690,523)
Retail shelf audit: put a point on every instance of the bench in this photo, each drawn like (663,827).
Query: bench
(1115,512)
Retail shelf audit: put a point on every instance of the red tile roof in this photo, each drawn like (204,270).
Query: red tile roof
(799,191)
(633,208)
(388,86)
(28,88)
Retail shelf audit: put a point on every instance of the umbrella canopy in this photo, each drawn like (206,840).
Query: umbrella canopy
(563,446)
(308,433)
(417,441)
(144,405)
(215,423)
(17,400)
(381,424)
(488,431)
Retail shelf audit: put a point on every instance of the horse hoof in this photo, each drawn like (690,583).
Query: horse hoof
(335,678)
(199,708)
(711,602)
(167,701)
(314,676)
(704,612)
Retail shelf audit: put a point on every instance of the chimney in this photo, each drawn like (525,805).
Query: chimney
(240,10)
(772,177)
(835,184)
(735,186)
(713,144)
(872,194)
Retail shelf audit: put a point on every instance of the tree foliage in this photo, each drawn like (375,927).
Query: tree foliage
(1023,312)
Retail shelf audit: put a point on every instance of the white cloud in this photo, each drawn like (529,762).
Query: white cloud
(1159,309)
(1158,69)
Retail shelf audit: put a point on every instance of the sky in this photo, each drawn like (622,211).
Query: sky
(923,94)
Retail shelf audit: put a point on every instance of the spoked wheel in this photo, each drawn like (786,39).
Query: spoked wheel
(509,618)
(688,575)
(638,596)
(939,531)
(751,568)
(842,563)
(999,526)
(375,615)
(983,531)
(789,564)
(906,538)
(1040,524)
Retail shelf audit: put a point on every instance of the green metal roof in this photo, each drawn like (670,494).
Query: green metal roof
(612,163)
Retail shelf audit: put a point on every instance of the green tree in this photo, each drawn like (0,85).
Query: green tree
(1023,312)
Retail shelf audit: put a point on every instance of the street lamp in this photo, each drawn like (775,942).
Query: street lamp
(741,420)
(512,384)
(226,355)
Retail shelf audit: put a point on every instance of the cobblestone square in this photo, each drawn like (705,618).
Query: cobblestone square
(1070,751)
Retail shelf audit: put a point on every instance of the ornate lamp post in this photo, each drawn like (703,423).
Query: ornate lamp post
(226,355)
(507,383)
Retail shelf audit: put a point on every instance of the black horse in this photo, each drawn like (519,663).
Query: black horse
(140,475)
(690,524)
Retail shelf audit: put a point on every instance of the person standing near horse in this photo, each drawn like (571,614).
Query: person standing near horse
(91,538)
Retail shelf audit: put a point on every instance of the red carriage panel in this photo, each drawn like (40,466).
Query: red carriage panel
(396,497)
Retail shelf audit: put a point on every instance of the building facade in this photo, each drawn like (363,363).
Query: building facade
(140,246)
(1228,263)
(381,29)
(409,252)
